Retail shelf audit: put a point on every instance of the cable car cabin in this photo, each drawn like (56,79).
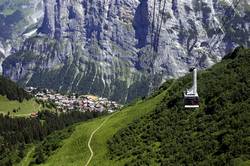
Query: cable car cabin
(191,101)
(191,97)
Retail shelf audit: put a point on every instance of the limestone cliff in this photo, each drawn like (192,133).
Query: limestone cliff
(19,20)
(122,49)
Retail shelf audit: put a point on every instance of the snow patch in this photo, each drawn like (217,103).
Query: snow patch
(29,34)
(2,50)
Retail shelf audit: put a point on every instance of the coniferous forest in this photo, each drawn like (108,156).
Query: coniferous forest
(12,91)
(49,128)
(17,132)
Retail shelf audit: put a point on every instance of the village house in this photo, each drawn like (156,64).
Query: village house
(82,103)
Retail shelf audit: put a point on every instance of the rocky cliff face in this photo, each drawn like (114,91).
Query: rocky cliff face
(19,20)
(122,49)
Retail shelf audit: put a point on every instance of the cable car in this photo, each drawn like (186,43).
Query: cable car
(191,97)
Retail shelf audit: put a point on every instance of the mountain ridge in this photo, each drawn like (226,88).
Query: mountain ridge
(113,48)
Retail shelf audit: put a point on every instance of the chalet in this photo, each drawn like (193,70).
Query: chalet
(33,114)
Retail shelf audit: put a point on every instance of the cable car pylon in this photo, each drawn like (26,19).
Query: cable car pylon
(191,97)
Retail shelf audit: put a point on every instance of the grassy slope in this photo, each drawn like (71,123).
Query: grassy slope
(75,150)
(218,133)
(26,107)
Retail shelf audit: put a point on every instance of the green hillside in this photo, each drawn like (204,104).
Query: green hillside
(159,131)
(218,133)
(14,100)
(16,108)
(75,150)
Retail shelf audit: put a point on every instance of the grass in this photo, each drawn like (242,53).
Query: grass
(246,163)
(28,156)
(180,124)
(26,107)
(75,150)
(214,134)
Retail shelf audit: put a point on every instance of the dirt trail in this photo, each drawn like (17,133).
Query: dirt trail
(91,136)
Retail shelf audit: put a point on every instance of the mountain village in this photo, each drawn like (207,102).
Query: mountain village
(65,103)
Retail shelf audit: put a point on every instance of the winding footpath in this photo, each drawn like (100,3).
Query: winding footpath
(93,133)
(91,136)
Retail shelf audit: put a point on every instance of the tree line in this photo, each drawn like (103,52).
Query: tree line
(12,91)
(17,132)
